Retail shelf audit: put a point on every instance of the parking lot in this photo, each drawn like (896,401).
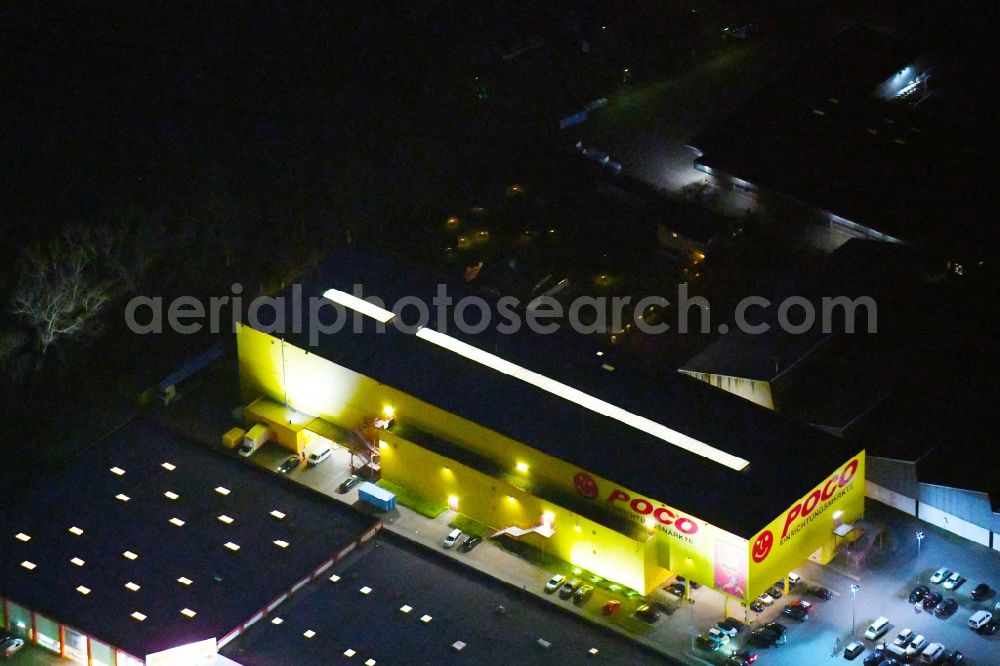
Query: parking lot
(395,604)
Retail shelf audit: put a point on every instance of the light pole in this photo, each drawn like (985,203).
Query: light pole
(920,538)
(854,606)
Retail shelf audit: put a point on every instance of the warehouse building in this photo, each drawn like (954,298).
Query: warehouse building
(628,474)
(150,549)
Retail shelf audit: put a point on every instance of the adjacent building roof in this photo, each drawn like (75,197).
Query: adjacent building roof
(147,541)
(786,458)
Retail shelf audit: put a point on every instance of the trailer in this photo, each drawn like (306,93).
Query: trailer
(380,498)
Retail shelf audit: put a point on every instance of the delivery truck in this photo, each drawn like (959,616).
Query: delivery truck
(254,439)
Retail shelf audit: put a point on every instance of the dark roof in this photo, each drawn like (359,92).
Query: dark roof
(777,448)
(819,136)
(228,587)
(460,601)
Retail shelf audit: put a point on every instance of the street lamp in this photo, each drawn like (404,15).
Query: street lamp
(920,538)
(854,606)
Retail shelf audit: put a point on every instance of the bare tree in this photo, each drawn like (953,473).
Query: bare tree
(63,286)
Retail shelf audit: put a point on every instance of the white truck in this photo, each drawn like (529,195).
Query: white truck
(253,440)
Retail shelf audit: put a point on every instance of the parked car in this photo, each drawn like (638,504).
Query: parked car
(763,638)
(756,605)
(954,581)
(470,543)
(956,657)
(916,646)
(823,593)
(583,594)
(611,606)
(877,628)
(979,618)
(874,659)
(706,642)
(694,584)
(932,654)
(931,600)
(918,593)
(946,608)
(349,483)
(730,626)
(795,613)
(452,538)
(903,638)
(778,628)
(676,589)
(793,580)
(940,575)
(853,650)
(290,463)
(648,613)
(718,635)
(733,660)
(980,592)
(802,603)
(10,644)
(776,591)
(989,628)
(569,588)
(748,655)
(766,598)
(555,583)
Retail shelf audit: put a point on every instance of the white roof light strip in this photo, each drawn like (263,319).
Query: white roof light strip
(583,399)
(358,304)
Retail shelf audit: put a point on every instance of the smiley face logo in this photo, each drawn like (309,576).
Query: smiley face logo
(585,485)
(762,546)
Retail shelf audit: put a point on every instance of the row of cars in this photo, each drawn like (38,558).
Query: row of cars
(906,647)
(574,589)
(465,542)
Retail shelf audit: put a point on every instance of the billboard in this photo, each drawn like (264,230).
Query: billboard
(808,524)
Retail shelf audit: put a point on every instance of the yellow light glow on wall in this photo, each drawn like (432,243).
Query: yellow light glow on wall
(522,467)
(388,411)
(453,502)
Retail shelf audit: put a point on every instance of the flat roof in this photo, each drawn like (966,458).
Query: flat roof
(146,522)
(787,458)
(417,606)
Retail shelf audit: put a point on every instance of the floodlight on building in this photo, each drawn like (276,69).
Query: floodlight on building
(359,304)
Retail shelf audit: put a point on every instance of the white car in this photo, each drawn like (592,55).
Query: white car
(452,538)
(954,580)
(916,647)
(794,579)
(932,654)
(718,635)
(940,575)
(979,618)
(903,638)
(555,583)
(766,599)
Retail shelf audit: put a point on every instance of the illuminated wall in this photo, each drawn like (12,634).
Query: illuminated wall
(806,529)
(682,543)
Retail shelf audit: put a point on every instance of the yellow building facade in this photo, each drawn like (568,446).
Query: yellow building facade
(568,512)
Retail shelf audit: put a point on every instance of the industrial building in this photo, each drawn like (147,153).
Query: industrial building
(151,549)
(632,475)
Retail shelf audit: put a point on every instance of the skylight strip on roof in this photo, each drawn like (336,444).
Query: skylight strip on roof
(585,400)
(359,304)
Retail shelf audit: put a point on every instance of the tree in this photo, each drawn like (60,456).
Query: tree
(64,284)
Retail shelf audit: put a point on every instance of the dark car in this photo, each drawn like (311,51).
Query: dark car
(918,593)
(470,543)
(778,628)
(888,661)
(694,584)
(648,613)
(569,588)
(797,613)
(583,594)
(946,608)
(706,642)
(763,638)
(932,599)
(980,592)
(873,659)
(989,628)
(821,592)
(955,657)
(775,591)
(291,462)
(853,650)
(676,589)
(349,483)
(731,626)
(748,655)
(757,605)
